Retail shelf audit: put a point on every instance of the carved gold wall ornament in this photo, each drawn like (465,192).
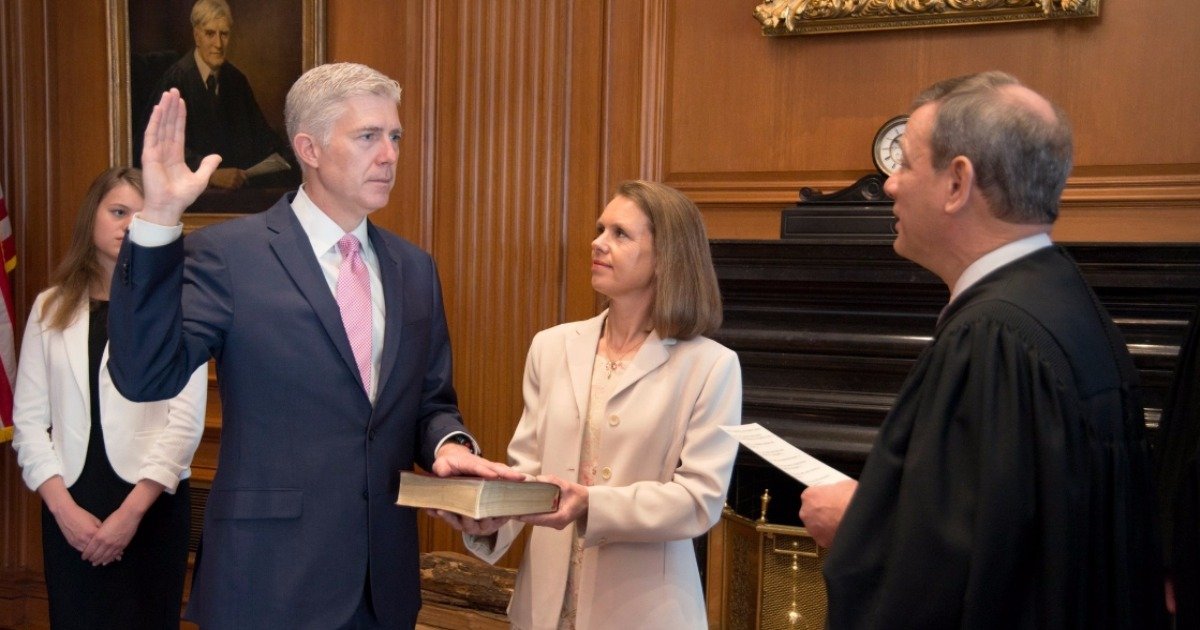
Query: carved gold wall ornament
(815,17)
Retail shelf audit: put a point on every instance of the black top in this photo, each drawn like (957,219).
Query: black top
(99,489)
(1178,462)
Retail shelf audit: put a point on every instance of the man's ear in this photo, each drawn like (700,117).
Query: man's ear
(960,183)
(307,150)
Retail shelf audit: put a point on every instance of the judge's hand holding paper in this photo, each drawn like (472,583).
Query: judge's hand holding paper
(829,491)
(822,507)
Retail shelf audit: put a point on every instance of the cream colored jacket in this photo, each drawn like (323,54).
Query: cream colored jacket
(663,470)
(52,413)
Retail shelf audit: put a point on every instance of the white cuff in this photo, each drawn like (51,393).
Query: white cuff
(148,234)
(474,446)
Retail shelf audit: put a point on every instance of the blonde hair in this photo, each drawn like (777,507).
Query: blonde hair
(687,300)
(80,270)
(316,99)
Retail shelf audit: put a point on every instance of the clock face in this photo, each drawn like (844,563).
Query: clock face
(886,149)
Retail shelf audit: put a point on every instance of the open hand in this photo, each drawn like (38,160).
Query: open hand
(458,460)
(170,186)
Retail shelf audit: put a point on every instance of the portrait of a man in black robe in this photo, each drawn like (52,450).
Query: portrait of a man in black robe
(225,116)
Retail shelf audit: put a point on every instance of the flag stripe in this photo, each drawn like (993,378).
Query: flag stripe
(8,348)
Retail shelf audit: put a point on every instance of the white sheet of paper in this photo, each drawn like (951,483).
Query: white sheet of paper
(805,468)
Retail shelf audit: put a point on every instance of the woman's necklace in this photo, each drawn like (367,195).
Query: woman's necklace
(612,365)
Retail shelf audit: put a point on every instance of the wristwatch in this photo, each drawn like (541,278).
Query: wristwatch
(461,438)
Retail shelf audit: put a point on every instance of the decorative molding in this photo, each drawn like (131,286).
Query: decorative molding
(816,17)
(118,82)
(655,80)
(1148,187)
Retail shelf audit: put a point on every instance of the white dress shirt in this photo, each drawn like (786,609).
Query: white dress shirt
(323,234)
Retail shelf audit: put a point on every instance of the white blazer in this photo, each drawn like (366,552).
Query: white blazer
(663,469)
(52,412)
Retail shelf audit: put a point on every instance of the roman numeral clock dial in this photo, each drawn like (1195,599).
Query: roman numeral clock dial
(885,149)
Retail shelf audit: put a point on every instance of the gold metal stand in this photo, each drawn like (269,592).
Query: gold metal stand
(763,576)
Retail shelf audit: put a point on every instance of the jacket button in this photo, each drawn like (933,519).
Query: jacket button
(614,420)
(606,473)
(370,434)
(364,495)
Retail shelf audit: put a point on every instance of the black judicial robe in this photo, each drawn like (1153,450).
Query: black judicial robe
(1178,467)
(230,125)
(1010,486)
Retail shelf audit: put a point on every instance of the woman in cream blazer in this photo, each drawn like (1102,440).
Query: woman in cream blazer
(624,412)
(114,536)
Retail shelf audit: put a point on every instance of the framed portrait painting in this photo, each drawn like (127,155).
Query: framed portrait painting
(233,62)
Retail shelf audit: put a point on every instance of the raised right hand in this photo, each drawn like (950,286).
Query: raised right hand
(170,186)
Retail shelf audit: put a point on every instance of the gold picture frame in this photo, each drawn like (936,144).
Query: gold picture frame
(820,17)
(272,43)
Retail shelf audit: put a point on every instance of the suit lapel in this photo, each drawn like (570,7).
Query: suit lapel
(75,338)
(581,356)
(391,275)
(294,251)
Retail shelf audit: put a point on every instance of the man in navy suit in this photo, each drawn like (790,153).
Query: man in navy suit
(300,529)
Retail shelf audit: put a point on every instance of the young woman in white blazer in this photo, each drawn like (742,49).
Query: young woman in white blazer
(624,412)
(112,474)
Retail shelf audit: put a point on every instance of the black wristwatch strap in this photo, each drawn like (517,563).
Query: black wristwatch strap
(461,438)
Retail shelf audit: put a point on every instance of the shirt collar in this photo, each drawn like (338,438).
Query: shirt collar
(323,233)
(997,258)
(201,66)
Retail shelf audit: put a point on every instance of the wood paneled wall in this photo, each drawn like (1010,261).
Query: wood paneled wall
(749,119)
(522,115)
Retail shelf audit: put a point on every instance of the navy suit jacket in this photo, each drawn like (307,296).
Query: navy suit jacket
(301,513)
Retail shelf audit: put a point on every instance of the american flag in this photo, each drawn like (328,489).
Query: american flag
(8,348)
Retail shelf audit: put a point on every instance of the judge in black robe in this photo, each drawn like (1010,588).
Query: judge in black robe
(1010,486)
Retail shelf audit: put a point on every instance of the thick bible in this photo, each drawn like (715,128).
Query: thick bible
(476,497)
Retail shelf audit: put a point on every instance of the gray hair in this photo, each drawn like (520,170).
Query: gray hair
(1021,157)
(205,11)
(316,98)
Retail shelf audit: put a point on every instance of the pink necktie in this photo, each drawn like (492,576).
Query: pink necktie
(354,301)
